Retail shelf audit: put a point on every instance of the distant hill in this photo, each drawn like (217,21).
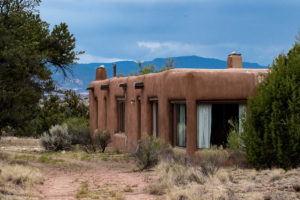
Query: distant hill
(83,74)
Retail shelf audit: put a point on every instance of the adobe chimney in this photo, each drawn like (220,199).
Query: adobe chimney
(101,73)
(115,69)
(234,60)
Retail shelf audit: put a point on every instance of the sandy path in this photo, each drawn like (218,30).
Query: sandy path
(64,184)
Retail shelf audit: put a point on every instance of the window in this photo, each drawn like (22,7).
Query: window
(155,118)
(105,112)
(139,114)
(96,113)
(179,123)
(121,114)
(221,114)
(213,122)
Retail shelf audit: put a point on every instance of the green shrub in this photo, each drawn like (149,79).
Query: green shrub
(272,129)
(78,129)
(50,113)
(234,138)
(56,139)
(148,152)
(101,139)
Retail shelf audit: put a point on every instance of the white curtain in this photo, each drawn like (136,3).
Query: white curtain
(242,110)
(182,126)
(204,125)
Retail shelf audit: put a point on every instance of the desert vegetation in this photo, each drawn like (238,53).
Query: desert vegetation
(214,173)
(17,177)
(189,181)
(29,171)
(271,136)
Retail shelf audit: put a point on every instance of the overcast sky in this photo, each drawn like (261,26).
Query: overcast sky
(110,30)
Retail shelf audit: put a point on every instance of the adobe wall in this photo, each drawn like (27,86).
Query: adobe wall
(190,85)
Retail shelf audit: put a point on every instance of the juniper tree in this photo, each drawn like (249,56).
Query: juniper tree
(272,128)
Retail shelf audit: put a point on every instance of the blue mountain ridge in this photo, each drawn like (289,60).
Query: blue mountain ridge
(83,74)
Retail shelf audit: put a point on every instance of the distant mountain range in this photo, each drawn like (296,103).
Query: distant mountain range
(83,74)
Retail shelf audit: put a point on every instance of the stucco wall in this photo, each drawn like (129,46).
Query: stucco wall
(191,85)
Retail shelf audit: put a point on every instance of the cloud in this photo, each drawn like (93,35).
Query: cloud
(155,45)
(88,58)
(169,49)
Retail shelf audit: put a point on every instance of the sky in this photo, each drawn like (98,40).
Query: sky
(113,30)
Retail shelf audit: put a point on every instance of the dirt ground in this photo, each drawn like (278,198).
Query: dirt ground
(109,177)
(76,175)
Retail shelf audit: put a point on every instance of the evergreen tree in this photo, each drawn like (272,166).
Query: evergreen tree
(27,50)
(272,128)
(58,109)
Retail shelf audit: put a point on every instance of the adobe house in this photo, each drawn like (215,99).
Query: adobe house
(188,108)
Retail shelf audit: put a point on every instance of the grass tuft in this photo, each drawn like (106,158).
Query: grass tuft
(128,188)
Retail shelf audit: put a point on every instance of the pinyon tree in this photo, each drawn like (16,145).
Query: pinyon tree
(28,52)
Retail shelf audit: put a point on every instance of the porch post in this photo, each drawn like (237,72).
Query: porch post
(191,144)
(93,112)
(164,120)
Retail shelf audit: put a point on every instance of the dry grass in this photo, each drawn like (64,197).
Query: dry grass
(276,174)
(14,141)
(16,180)
(187,182)
(25,145)
(20,174)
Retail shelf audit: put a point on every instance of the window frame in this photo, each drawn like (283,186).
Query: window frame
(175,120)
(238,102)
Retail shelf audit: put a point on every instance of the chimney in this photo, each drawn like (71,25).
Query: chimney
(101,73)
(115,69)
(234,60)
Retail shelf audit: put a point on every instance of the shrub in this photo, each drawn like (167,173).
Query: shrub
(272,136)
(148,152)
(173,156)
(157,189)
(101,139)
(210,161)
(56,139)
(237,159)
(234,139)
(78,129)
